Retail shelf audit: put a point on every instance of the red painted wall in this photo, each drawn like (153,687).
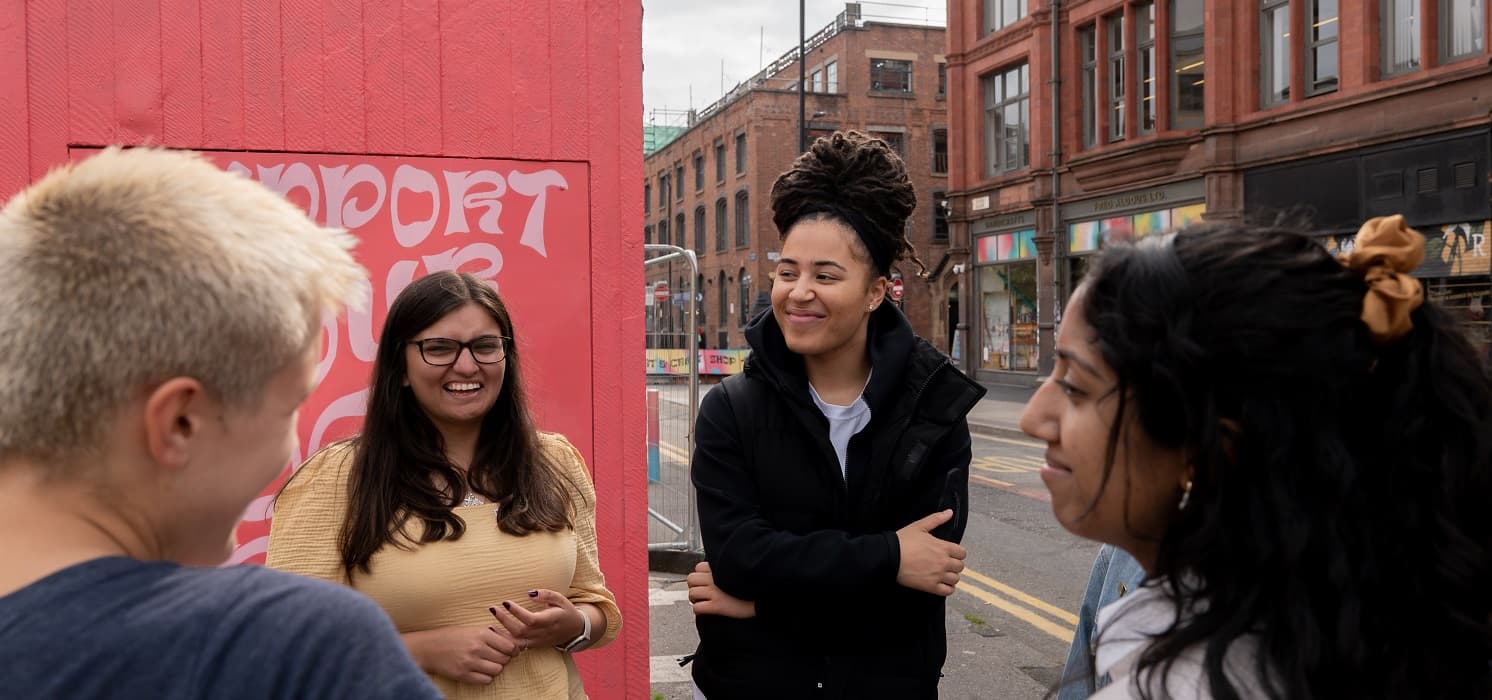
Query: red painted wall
(555,83)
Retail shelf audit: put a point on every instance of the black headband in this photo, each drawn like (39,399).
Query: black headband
(879,248)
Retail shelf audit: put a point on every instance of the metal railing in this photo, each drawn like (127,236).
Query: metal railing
(673,520)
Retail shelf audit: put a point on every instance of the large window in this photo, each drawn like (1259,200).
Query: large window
(1400,29)
(699,308)
(816,79)
(831,75)
(1321,69)
(724,306)
(722,239)
(678,182)
(699,171)
(1088,45)
(743,301)
(647,197)
(1145,53)
(940,151)
(719,161)
(699,229)
(743,220)
(741,153)
(895,139)
(1114,27)
(1007,311)
(1187,64)
(1274,52)
(663,232)
(1460,29)
(888,75)
(680,239)
(1007,135)
(999,14)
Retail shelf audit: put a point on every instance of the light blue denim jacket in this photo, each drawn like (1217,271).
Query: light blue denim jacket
(1114,574)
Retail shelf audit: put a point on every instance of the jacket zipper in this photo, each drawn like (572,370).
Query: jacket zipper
(927,382)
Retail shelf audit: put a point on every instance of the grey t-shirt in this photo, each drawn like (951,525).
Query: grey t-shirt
(844,423)
(120,628)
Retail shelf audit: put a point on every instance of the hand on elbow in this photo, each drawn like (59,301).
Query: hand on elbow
(928,563)
(707,599)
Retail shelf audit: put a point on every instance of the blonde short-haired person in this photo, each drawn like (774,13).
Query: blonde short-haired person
(159,327)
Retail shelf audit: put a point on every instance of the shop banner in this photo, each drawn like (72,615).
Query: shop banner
(711,362)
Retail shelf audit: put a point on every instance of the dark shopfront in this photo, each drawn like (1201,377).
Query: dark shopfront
(1439,183)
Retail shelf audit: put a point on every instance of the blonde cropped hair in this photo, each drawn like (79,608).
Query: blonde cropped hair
(136,266)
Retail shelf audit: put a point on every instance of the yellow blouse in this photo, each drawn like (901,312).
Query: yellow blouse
(454,582)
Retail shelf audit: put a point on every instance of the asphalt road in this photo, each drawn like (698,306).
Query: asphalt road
(1009,623)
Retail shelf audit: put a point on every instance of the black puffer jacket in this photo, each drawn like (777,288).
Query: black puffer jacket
(818,555)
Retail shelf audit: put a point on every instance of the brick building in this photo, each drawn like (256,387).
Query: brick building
(708,189)
(1166,112)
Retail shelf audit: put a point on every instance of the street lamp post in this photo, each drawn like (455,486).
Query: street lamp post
(802,80)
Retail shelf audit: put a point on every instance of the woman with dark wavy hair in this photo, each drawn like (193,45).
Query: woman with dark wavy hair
(1298,450)
(450,509)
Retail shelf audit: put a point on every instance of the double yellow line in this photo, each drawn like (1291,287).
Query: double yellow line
(1021,605)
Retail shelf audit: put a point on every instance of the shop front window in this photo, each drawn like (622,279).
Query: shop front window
(1007,308)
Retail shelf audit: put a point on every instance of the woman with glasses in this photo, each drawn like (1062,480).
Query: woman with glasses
(473,530)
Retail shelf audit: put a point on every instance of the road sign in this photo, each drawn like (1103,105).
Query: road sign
(896,289)
(660,292)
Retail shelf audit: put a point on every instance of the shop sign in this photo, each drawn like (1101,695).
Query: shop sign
(1022,219)
(1087,236)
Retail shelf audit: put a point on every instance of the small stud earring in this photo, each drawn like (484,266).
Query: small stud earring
(1186,496)
(872,307)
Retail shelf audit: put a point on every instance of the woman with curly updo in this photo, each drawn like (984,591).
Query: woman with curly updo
(832,474)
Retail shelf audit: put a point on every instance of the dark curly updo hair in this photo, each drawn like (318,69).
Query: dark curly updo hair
(858,181)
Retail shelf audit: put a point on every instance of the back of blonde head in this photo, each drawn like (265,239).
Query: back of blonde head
(137,266)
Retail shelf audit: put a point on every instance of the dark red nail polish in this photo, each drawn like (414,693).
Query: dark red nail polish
(533,594)
(493,610)
(507,606)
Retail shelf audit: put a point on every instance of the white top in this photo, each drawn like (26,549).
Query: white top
(1126,627)
(844,422)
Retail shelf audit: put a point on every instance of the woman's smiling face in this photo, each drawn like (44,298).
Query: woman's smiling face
(1127,503)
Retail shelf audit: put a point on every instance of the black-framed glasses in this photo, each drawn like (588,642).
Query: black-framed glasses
(442,352)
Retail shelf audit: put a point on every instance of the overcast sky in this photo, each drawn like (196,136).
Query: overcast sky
(685,41)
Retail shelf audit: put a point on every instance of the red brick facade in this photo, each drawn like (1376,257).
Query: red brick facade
(765,111)
(1152,175)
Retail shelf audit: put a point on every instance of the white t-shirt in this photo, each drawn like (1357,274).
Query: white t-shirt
(1127,627)
(844,422)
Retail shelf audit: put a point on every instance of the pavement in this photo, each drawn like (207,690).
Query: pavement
(671,622)
(999,412)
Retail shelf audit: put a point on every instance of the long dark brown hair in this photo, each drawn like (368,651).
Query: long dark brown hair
(400,471)
(1338,516)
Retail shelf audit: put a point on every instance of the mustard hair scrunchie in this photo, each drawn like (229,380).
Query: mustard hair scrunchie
(1386,252)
